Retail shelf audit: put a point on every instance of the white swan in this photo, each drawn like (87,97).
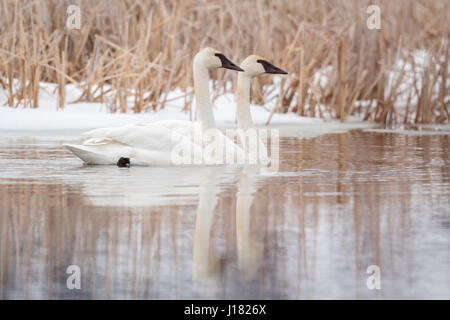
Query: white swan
(250,248)
(152,144)
(253,66)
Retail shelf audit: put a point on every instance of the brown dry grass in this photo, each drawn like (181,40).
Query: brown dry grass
(140,50)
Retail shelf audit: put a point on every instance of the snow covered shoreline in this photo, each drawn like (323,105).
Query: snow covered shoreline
(77,117)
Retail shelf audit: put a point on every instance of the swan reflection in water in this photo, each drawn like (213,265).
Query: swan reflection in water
(141,186)
(146,186)
(208,268)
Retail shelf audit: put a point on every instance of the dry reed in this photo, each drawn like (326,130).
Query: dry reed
(132,53)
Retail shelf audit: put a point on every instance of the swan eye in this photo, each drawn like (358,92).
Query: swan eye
(263,62)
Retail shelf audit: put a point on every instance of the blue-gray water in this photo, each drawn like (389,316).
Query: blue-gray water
(340,203)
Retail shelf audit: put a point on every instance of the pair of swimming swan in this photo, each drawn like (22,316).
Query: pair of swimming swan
(153,144)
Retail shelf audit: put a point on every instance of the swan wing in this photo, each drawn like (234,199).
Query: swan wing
(149,137)
(182,127)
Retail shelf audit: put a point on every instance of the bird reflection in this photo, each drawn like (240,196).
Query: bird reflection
(249,247)
(207,266)
(140,186)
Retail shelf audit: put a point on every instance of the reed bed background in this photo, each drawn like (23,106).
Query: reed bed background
(130,54)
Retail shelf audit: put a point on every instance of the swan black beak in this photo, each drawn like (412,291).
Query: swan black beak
(270,68)
(227,64)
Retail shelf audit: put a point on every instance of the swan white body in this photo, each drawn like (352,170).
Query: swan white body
(143,144)
(152,144)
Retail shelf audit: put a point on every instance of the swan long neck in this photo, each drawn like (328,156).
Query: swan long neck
(244,116)
(202,98)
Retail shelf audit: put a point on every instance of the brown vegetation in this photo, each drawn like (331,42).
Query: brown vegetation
(140,50)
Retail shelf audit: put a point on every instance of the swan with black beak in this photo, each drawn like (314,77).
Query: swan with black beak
(253,66)
(152,144)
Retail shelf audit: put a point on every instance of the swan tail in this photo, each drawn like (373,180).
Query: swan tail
(86,153)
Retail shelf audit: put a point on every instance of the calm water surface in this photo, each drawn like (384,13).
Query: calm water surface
(340,203)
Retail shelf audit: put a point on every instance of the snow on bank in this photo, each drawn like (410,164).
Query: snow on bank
(412,73)
(85,116)
(410,70)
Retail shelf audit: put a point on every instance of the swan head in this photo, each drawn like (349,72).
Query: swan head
(212,59)
(255,65)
